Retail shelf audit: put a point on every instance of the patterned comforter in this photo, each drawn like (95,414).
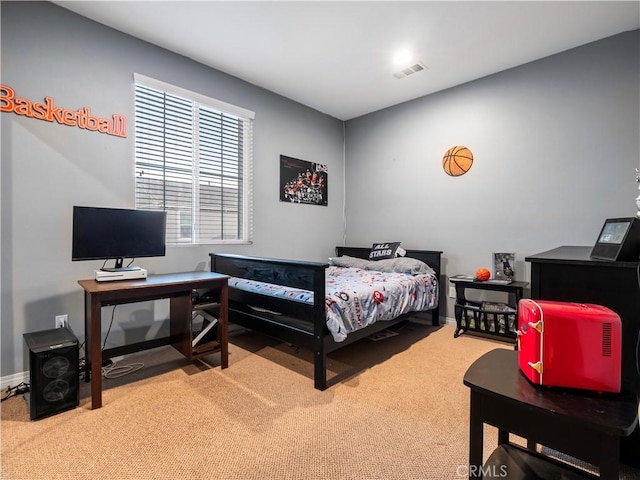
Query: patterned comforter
(356,298)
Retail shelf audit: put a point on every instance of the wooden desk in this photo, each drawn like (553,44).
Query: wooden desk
(580,424)
(178,288)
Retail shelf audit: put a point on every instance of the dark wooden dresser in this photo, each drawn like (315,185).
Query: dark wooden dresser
(568,274)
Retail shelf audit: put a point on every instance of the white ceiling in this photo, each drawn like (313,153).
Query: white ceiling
(336,56)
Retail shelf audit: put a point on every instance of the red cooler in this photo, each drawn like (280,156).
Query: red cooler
(572,345)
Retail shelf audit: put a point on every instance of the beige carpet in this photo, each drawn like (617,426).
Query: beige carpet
(398,410)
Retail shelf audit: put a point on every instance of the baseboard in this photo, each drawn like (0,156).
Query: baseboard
(13,380)
(450,321)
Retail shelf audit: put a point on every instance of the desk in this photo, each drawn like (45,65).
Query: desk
(178,288)
(580,424)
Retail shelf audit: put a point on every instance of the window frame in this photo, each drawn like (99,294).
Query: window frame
(200,101)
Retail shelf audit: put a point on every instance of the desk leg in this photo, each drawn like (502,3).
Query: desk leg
(224,326)
(95,351)
(87,337)
(476,436)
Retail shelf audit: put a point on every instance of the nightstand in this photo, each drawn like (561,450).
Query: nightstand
(492,318)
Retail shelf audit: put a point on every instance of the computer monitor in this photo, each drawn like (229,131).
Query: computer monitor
(117,233)
(619,240)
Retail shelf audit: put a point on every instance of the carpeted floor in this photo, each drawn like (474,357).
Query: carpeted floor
(398,410)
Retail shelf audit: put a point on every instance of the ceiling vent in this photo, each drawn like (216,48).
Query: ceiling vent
(405,72)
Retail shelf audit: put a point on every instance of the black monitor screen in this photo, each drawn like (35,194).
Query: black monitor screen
(116,233)
(614,232)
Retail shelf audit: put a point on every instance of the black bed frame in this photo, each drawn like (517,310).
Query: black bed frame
(294,322)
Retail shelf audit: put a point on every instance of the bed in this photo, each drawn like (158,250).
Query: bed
(299,316)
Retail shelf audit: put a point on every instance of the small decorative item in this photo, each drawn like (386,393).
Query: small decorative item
(482,274)
(503,266)
(49,111)
(381,251)
(638,197)
(457,161)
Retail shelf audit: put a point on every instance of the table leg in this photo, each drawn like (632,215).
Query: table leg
(503,436)
(610,459)
(476,436)
(224,326)
(460,300)
(95,334)
(87,337)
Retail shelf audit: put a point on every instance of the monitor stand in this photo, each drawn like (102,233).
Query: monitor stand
(119,267)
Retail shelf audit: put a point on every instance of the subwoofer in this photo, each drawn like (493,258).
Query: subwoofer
(53,372)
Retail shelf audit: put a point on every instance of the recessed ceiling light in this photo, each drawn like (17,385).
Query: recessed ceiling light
(402,58)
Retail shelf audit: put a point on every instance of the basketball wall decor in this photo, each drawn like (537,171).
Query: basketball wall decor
(457,161)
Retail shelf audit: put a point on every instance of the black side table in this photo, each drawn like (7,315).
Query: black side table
(485,317)
(581,424)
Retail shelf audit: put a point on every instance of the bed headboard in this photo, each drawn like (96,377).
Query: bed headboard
(430,257)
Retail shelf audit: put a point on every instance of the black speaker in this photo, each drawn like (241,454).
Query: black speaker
(53,372)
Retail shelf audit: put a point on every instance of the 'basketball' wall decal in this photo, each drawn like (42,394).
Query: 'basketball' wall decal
(457,161)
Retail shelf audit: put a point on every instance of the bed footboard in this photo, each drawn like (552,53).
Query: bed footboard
(298,323)
(294,322)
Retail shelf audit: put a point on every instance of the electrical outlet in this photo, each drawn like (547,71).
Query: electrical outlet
(62,321)
(452,291)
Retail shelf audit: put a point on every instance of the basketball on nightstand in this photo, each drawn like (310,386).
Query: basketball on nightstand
(482,274)
(457,161)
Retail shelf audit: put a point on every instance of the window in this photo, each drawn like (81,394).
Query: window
(193,159)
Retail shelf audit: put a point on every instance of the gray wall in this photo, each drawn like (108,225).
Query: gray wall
(555,144)
(47,168)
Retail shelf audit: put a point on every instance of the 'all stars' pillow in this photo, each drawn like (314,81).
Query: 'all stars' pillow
(381,251)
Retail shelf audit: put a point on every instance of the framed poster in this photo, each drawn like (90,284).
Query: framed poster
(302,181)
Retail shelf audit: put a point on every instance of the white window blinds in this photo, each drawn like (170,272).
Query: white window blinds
(193,159)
